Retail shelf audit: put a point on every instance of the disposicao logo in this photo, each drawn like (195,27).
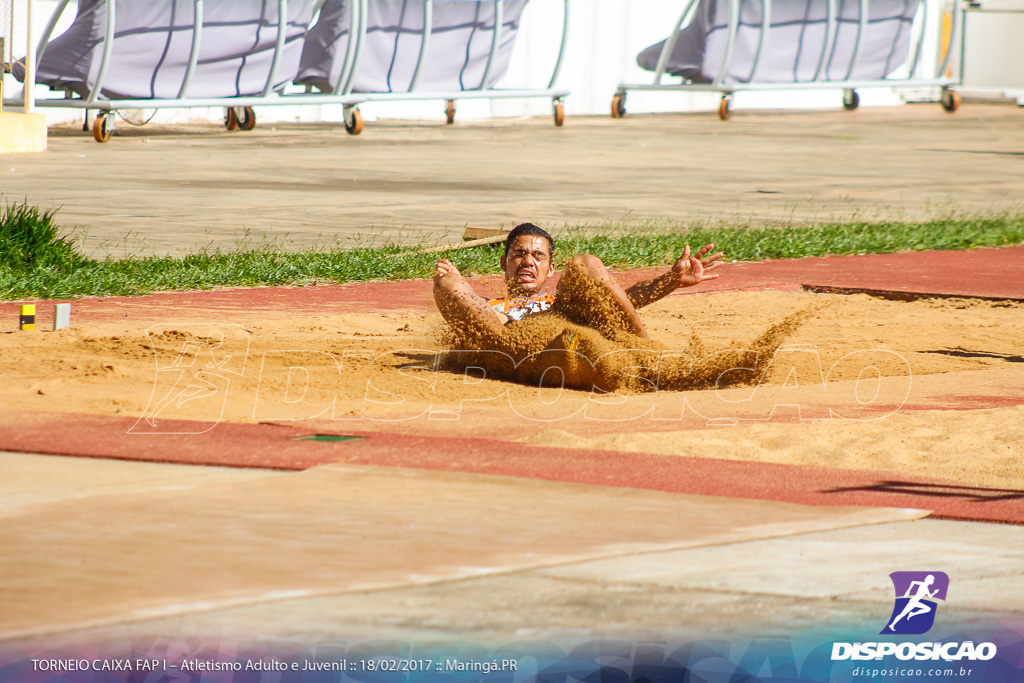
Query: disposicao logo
(914,614)
(916,595)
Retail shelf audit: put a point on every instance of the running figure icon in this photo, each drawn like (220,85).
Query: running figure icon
(917,594)
(916,605)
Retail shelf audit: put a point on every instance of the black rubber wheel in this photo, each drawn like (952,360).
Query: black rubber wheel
(618,106)
(247,121)
(354,122)
(950,100)
(851,100)
(101,129)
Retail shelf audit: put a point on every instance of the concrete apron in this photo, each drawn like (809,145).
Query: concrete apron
(169,541)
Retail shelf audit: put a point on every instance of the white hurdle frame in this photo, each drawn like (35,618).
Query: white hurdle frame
(949,99)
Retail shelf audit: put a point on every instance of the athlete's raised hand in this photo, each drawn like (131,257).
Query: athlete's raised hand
(690,270)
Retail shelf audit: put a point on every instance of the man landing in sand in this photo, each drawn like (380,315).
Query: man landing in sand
(587,294)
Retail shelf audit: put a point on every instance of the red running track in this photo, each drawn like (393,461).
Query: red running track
(987,273)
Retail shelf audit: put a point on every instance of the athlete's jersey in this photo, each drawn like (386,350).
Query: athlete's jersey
(519,307)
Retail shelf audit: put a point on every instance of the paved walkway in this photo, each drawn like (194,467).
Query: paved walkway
(214,561)
(173,189)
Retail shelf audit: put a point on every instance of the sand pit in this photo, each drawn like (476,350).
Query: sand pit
(931,387)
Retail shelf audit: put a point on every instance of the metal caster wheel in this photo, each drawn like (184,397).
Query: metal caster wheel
(353,122)
(950,100)
(247,120)
(450,112)
(618,106)
(851,100)
(231,119)
(102,128)
(723,107)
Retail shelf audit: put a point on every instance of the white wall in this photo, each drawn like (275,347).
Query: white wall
(994,51)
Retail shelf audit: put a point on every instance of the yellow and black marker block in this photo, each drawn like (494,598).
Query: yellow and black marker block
(28,316)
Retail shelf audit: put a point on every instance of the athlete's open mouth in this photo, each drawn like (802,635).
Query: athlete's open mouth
(526,275)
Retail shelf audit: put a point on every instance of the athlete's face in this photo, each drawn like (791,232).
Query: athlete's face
(527,265)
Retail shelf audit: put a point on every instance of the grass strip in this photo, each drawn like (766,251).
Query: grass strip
(35,262)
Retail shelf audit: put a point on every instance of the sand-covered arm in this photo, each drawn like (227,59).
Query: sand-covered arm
(685,272)
(459,304)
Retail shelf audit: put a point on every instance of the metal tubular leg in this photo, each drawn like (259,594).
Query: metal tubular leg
(282,34)
(350,47)
(30,68)
(861,25)
(762,40)
(428,26)
(920,40)
(670,44)
(730,43)
(499,19)
(193,57)
(357,33)
(108,48)
(830,36)
(48,31)
(561,48)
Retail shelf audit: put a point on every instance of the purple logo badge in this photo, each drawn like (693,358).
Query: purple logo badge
(916,595)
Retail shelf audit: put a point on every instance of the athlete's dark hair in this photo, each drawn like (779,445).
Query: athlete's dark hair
(528,229)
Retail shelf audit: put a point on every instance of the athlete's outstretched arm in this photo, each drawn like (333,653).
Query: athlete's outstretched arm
(687,271)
